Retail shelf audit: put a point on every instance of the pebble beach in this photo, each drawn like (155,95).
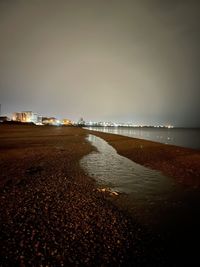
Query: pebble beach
(52,213)
(183,164)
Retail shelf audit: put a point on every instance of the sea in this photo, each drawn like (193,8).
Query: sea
(184,137)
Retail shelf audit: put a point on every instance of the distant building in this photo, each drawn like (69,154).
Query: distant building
(81,122)
(25,116)
(66,122)
(4,118)
(49,121)
(39,120)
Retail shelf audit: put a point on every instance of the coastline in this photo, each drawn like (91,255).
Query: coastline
(52,213)
(176,220)
(183,164)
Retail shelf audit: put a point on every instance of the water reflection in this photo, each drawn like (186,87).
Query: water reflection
(124,175)
(176,136)
(155,200)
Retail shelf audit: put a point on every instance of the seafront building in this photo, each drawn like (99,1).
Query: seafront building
(66,122)
(25,116)
(29,116)
(4,118)
(116,124)
(49,121)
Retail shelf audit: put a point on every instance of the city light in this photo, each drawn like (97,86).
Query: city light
(31,117)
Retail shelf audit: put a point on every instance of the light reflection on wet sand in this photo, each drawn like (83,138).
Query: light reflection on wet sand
(146,189)
(157,201)
(185,137)
(122,174)
(160,198)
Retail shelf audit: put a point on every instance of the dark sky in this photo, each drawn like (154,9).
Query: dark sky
(136,60)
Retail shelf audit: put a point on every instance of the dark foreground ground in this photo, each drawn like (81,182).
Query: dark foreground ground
(52,215)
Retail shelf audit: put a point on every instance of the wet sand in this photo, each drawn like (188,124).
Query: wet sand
(52,214)
(177,220)
(181,163)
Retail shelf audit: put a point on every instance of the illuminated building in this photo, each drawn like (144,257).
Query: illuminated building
(49,121)
(4,118)
(66,122)
(25,116)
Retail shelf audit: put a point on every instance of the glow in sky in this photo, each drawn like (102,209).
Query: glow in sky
(105,60)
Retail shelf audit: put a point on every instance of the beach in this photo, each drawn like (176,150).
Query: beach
(52,213)
(181,163)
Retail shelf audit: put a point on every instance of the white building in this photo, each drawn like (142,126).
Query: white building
(25,116)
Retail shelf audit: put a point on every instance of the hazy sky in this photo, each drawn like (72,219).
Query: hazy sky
(136,60)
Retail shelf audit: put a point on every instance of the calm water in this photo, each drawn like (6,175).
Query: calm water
(175,136)
(147,189)
(155,200)
(122,174)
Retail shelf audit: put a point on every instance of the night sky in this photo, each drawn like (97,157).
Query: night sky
(107,60)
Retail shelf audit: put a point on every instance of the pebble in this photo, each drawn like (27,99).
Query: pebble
(57,217)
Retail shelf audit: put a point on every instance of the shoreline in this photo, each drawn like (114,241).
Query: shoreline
(176,220)
(51,212)
(183,164)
